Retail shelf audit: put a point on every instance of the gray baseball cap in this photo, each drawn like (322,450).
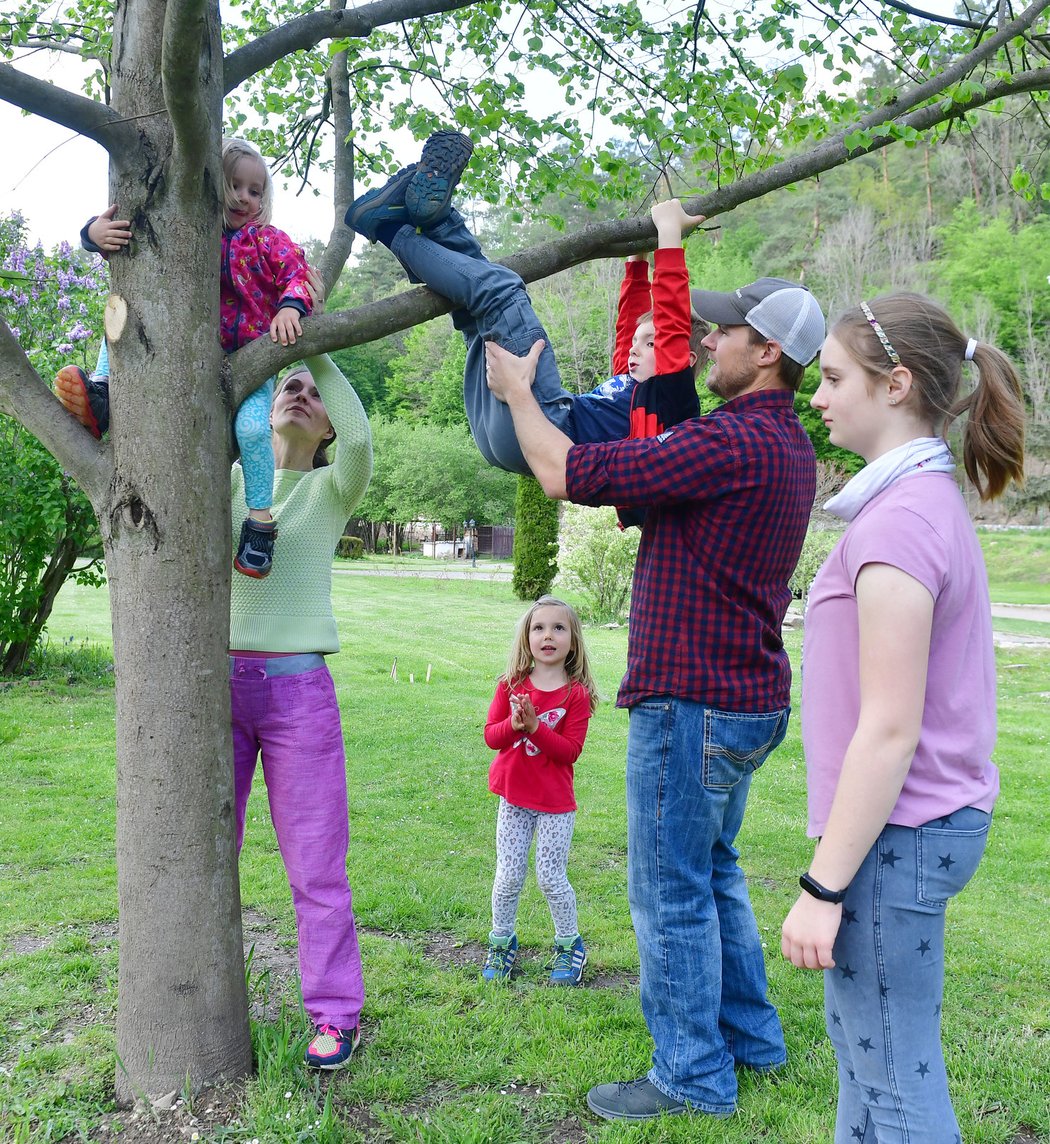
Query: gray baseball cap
(782,311)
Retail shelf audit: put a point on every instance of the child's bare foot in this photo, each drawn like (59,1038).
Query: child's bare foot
(87,400)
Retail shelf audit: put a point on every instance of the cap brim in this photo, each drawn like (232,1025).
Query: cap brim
(718,308)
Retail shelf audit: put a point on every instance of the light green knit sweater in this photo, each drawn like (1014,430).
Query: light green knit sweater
(291,609)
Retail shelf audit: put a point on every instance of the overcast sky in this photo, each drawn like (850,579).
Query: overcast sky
(58,180)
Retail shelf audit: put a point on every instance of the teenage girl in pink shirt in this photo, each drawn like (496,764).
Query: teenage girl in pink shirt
(898,703)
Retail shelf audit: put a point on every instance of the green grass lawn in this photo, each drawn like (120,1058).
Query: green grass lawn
(445,1058)
(1018,564)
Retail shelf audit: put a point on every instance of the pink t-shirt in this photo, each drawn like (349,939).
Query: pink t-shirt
(919,525)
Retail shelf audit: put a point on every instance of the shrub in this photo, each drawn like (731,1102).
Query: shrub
(596,561)
(815,548)
(350,548)
(535,540)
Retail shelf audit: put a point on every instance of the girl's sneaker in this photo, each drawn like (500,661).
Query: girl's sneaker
(332,1048)
(428,197)
(255,550)
(86,398)
(568,961)
(503,952)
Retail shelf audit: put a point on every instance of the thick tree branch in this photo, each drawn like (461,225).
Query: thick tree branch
(956,71)
(185,57)
(24,396)
(308,31)
(76,112)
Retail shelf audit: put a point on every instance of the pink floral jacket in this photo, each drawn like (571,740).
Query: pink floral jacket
(262,270)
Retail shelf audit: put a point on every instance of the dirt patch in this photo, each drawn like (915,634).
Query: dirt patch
(170,1120)
(447,950)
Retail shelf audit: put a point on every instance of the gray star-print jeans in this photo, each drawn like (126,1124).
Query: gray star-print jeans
(883,998)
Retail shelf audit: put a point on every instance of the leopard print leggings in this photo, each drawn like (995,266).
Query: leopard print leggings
(515,827)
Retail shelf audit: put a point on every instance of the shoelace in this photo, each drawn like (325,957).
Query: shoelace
(498,957)
(331,1031)
(562,959)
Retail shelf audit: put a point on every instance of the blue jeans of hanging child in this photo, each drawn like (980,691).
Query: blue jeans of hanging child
(703,976)
(883,998)
(492,305)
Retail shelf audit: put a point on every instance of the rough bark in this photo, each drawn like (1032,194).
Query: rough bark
(165,522)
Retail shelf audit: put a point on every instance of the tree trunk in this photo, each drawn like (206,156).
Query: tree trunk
(165,522)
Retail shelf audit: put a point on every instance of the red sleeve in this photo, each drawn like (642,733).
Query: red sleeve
(499,734)
(669,396)
(635,300)
(564,742)
(671,310)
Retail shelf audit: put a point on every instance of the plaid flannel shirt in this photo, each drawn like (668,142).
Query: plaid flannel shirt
(729,497)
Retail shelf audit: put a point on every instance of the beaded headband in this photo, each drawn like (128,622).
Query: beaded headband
(880,333)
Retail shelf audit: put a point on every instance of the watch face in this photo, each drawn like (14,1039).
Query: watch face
(813,887)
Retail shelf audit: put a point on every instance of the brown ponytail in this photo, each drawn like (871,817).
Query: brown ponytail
(993,436)
(929,344)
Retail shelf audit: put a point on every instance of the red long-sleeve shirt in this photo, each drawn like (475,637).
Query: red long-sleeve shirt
(536,771)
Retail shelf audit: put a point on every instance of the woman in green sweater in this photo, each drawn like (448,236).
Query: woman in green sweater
(282,695)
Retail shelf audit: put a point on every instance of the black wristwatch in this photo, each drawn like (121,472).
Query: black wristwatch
(821,893)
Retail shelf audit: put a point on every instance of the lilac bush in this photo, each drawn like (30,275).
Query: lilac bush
(58,298)
(53,304)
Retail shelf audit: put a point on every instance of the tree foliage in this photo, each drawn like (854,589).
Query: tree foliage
(425,471)
(596,561)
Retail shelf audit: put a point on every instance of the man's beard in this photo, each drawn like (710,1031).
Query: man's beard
(730,383)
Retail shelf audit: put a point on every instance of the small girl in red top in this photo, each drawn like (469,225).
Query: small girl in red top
(537,722)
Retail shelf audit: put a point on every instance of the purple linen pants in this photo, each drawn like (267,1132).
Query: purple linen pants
(292,720)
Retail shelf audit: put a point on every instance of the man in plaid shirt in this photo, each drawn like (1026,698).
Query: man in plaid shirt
(728,497)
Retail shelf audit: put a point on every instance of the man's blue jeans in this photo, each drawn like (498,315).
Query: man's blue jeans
(703,977)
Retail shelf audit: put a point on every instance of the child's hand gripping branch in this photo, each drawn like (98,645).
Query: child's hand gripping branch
(673,223)
(106,233)
(285,327)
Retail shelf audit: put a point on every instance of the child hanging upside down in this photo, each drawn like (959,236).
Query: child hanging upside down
(660,347)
